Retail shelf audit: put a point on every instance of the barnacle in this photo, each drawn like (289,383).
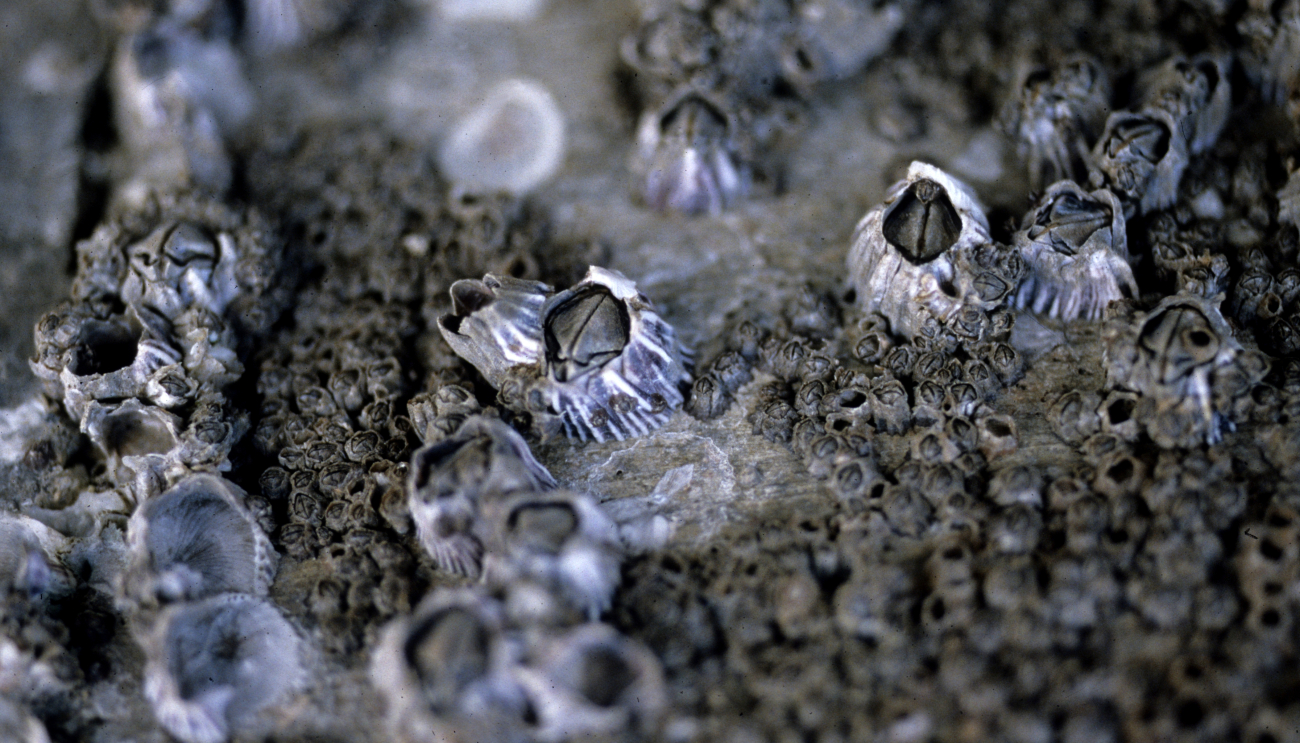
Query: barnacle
(1194,93)
(914,254)
(1141,156)
(685,158)
(1076,248)
(513,141)
(452,480)
(30,557)
(214,665)
(196,540)
(1055,113)
(496,324)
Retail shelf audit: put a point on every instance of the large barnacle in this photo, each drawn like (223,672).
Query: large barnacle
(495,324)
(1077,252)
(1141,157)
(1173,357)
(451,480)
(1055,115)
(686,158)
(214,665)
(914,254)
(197,540)
(1195,94)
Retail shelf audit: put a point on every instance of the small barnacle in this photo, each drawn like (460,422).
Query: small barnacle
(214,666)
(513,141)
(1141,157)
(855,479)
(998,435)
(196,540)
(1077,251)
(595,682)
(774,420)
(686,158)
(1074,416)
(563,541)
(135,439)
(889,406)
(1117,414)
(913,255)
(1194,92)
(450,481)
(1055,114)
(732,370)
(1014,530)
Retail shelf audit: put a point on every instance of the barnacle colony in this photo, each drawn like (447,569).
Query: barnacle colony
(594,361)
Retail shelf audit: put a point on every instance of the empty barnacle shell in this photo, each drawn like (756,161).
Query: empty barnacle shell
(563,541)
(445,667)
(1055,114)
(179,266)
(214,666)
(1140,156)
(685,157)
(1076,247)
(196,540)
(1194,92)
(496,324)
(912,254)
(134,438)
(513,141)
(449,482)
(594,681)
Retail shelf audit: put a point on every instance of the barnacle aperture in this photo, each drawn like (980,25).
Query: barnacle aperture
(923,223)
(1182,339)
(587,330)
(448,650)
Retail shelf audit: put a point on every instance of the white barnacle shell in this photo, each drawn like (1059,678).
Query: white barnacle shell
(140,442)
(593,681)
(197,540)
(1141,156)
(1171,357)
(496,324)
(1076,248)
(449,482)
(911,252)
(612,367)
(181,266)
(685,157)
(445,667)
(1055,115)
(513,141)
(561,540)
(214,665)
(1194,92)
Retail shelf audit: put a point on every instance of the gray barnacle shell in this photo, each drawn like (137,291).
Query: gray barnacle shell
(179,266)
(1194,92)
(496,324)
(1076,248)
(911,254)
(685,157)
(445,666)
(214,665)
(562,540)
(451,480)
(1141,157)
(138,441)
(197,540)
(1055,115)
(612,366)
(30,555)
(595,682)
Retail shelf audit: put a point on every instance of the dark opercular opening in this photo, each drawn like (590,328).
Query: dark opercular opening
(1121,471)
(1199,338)
(1120,411)
(132,434)
(468,297)
(449,652)
(1146,138)
(923,224)
(104,347)
(604,676)
(998,428)
(543,526)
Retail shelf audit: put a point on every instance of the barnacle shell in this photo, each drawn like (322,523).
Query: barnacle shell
(1055,115)
(1194,92)
(565,542)
(451,480)
(445,667)
(1141,157)
(1076,248)
(594,682)
(197,540)
(136,439)
(913,253)
(686,157)
(214,665)
(30,557)
(496,324)
(179,266)
(513,141)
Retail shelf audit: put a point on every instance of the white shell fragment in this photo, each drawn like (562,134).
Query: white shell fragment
(563,542)
(594,361)
(1075,246)
(685,158)
(197,540)
(513,141)
(452,480)
(445,668)
(214,665)
(912,253)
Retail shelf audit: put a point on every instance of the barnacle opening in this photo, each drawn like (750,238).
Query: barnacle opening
(585,331)
(603,675)
(136,432)
(448,652)
(542,526)
(104,347)
(1144,137)
(923,224)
